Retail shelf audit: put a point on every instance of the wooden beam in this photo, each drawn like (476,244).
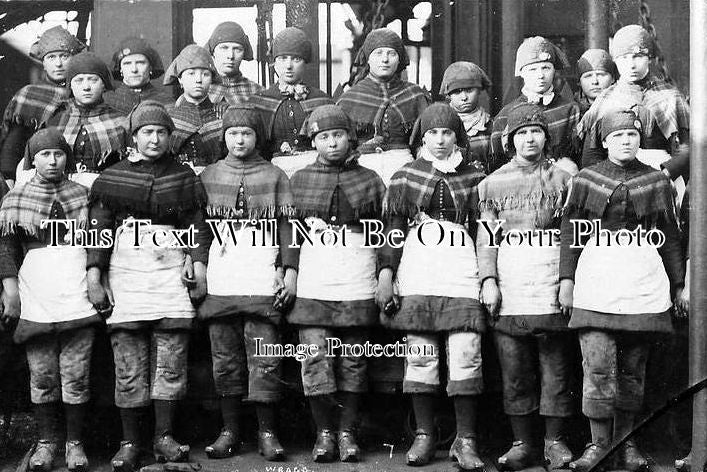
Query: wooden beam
(597,28)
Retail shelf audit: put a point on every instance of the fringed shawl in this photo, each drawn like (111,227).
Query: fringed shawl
(266,189)
(532,194)
(149,189)
(412,186)
(313,188)
(667,108)
(25,206)
(199,122)
(33,105)
(648,189)
(106,128)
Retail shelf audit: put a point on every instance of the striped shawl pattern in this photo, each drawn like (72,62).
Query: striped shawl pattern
(269,102)
(124,99)
(107,129)
(649,191)
(413,185)
(33,105)
(156,189)
(200,123)
(25,206)
(266,189)
(233,91)
(667,107)
(562,118)
(313,188)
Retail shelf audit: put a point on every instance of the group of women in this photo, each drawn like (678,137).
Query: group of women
(230,151)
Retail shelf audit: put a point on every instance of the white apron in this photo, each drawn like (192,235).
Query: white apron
(241,269)
(146,280)
(53,286)
(529,279)
(337,272)
(292,163)
(621,280)
(438,269)
(386,163)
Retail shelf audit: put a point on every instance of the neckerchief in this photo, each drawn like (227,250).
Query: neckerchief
(149,188)
(313,188)
(266,188)
(25,206)
(411,187)
(297,91)
(648,189)
(474,122)
(539,98)
(446,166)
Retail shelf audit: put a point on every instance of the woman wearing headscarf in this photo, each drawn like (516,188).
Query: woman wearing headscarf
(437,193)
(596,73)
(247,293)
(382,106)
(287,103)
(142,275)
(196,140)
(95,132)
(520,281)
(336,279)
(620,288)
(135,63)
(57,321)
(34,104)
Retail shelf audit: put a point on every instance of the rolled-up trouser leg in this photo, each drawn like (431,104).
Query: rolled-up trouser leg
(264,372)
(555,357)
(75,364)
(169,364)
(318,372)
(352,370)
(422,363)
(131,356)
(632,356)
(465,376)
(228,356)
(519,360)
(599,385)
(44,370)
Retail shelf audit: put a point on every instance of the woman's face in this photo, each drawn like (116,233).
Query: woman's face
(632,67)
(290,69)
(55,65)
(383,62)
(240,141)
(152,141)
(538,77)
(87,89)
(135,69)
(594,82)
(465,100)
(439,142)
(50,163)
(622,145)
(529,142)
(196,83)
(332,145)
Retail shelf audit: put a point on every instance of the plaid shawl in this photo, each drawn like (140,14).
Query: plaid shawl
(648,189)
(200,124)
(412,186)
(562,118)
(269,102)
(266,188)
(313,188)
(233,90)
(538,189)
(106,128)
(124,98)
(367,102)
(667,106)
(33,105)
(149,188)
(25,206)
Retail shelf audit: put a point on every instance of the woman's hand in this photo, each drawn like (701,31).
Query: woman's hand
(100,297)
(491,297)
(565,297)
(385,297)
(197,292)
(10,300)
(286,288)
